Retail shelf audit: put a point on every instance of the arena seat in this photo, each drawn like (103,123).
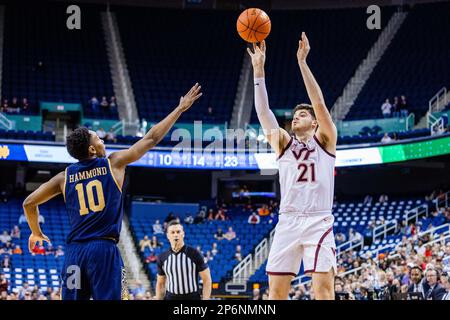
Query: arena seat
(75,64)
(405,69)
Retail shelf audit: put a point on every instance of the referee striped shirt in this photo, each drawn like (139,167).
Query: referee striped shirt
(181,270)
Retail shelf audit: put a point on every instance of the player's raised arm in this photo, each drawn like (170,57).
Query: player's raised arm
(122,158)
(327,133)
(42,194)
(276,136)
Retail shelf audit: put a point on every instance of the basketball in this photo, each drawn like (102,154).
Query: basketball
(253,25)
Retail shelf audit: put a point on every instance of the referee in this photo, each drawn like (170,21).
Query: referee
(179,268)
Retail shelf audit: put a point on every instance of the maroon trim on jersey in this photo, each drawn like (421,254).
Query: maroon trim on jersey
(285,148)
(323,148)
(318,249)
(281,273)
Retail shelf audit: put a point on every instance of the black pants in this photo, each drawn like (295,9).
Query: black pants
(189,296)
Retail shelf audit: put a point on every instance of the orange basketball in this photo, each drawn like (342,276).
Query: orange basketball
(253,25)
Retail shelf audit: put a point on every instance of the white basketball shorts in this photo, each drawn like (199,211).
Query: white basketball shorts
(302,238)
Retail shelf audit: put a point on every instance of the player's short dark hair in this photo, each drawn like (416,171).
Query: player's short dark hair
(304,106)
(173,222)
(78,143)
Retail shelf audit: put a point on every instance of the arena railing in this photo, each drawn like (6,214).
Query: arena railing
(245,269)
(382,231)
(414,214)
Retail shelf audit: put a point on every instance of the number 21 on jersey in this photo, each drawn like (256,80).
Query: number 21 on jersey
(93,206)
(307,172)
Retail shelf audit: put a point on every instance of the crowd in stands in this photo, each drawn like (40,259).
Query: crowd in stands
(15,106)
(398,108)
(106,136)
(264,213)
(104,106)
(414,266)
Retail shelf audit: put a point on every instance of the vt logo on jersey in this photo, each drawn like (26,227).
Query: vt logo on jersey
(305,166)
(301,151)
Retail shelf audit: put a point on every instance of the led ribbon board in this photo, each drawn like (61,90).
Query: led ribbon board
(159,158)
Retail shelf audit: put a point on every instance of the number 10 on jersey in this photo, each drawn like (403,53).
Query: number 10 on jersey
(93,206)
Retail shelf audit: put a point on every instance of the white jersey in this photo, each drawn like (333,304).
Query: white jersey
(306,178)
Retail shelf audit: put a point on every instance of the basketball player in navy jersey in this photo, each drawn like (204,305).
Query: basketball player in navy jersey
(92,190)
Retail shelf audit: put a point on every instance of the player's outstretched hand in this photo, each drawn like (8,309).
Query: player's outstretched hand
(303,48)
(36,239)
(258,55)
(189,98)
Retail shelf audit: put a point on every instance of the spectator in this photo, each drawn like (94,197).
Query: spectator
(416,281)
(38,250)
(110,137)
(238,253)
(214,249)
(5,105)
(26,289)
(15,232)
(220,215)
(208,257)
(396,107)
(22,219)
(386,109)
(200,217)
(112,104)
(145,243)
(445,278)
(386,138)
(230,235)
(383,198)
(152,258)
(219,234)
(25,105)
(256,294)
(14,106)
(264,210)
(155,243)
(17,250)
(3,283)
(104,104)
(210,215)
(59,252)
(254,219)
(50,250)
(41,219)
(340,238)
(6,263)
(435,291)
(94,104)
(5,237)
(189,219)
(368,200)
(139,288)
(157,228)
(354,236)
(403,107)
(199,249)
(101,133)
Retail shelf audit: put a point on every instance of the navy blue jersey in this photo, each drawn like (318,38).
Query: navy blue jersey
(93,200)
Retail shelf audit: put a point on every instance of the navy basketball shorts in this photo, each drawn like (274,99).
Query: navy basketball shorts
(93,269)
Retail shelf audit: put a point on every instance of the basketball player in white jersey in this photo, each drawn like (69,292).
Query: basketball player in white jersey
(306,169)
